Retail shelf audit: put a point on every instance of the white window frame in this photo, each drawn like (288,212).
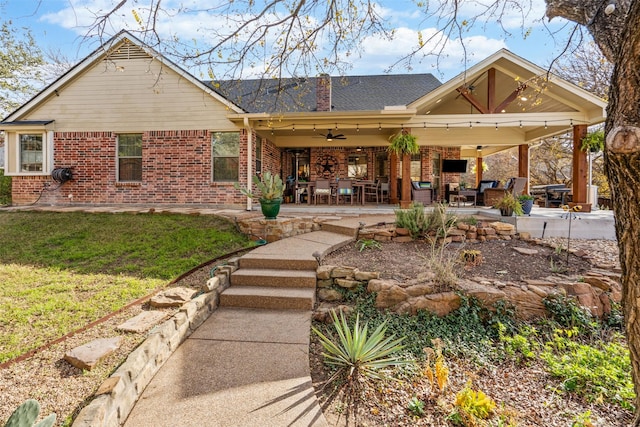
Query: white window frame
(12,152)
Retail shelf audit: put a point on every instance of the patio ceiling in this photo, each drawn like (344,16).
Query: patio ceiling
(501,102)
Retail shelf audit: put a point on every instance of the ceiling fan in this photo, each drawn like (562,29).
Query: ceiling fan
(330,137)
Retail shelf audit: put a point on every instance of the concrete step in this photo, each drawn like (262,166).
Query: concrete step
(268,297)
(279,262)
(274,278)
(338,228)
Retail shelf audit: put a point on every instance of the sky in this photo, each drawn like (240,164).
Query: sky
(61,26)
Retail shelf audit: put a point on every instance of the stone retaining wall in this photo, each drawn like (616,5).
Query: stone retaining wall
(280,228)
(117,396)
(595,291)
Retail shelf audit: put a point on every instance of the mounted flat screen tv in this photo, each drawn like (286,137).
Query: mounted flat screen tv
(454,166)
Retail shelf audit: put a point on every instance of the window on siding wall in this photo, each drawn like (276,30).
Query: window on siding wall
(225,156)
(130,157)
(31,152)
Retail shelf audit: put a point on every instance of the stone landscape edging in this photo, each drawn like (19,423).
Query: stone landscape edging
(117,395)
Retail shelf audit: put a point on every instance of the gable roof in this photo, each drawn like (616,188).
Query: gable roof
(108,48)
(348,93)
(546,91)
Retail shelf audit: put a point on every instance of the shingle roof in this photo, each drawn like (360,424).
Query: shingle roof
(349,93)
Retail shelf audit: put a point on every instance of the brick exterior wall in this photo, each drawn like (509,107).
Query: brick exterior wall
(176,169)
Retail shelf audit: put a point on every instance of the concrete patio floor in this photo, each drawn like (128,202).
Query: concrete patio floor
(543,222)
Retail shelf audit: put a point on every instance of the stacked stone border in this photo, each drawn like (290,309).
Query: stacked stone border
(116,397)
(595,291)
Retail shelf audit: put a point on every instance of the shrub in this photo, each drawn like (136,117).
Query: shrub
(568,313)
(599,371)
(5,189)
(413,219)
(472,405)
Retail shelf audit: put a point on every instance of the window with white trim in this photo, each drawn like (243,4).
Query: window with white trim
(225,156)
(31,152)
(130,157)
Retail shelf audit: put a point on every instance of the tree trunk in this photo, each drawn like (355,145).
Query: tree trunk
(622,163)
(617,36)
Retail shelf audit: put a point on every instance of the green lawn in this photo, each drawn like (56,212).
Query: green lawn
(60,271)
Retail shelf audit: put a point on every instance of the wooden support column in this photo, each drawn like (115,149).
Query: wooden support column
(478,169)
(405,200)
(580,166)
(523,164)
(393,178)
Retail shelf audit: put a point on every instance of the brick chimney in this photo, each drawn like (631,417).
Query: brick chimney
(323,92)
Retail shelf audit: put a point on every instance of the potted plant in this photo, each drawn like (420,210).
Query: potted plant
(403,145)
(526,201)
(593,142)
(509,205)
(270,189)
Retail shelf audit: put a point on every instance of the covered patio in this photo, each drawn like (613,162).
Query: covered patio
(500,103)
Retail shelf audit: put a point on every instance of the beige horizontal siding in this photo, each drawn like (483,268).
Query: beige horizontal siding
(132,95)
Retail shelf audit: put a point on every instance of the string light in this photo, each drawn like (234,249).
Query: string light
(447,127)
(293,128)
(357,127)
(545,124)
(379,126)
(496,126)
(470,125)
(520,124)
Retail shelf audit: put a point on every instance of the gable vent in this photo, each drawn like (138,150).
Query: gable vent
(127,50)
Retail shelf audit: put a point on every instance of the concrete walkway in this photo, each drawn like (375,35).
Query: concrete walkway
(242,367)
(245,366)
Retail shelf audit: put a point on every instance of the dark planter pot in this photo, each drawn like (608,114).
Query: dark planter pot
(506,211)
(527,205)
(270,208)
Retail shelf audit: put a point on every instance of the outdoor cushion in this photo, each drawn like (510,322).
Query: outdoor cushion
(424,184)
(486,184)
(323,191)
(344,191)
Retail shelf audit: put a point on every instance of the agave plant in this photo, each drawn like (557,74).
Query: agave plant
(358,354)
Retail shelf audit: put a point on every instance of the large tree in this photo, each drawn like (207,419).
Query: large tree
(285,37)
(20,61)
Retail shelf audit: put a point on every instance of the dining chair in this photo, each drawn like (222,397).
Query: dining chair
(372,190)
(322,189)
(384,191)
(345,189)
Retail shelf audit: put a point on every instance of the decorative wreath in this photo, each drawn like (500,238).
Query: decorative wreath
(326,166)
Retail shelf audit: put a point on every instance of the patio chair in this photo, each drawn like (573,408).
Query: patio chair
(345,189)
(480,191)
(422,192)
(322,189)
(515,186)
(372,191)
(384,191)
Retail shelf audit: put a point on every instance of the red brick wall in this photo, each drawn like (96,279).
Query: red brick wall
(176,169)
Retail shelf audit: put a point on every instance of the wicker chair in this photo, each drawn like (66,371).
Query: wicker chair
(422,192)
